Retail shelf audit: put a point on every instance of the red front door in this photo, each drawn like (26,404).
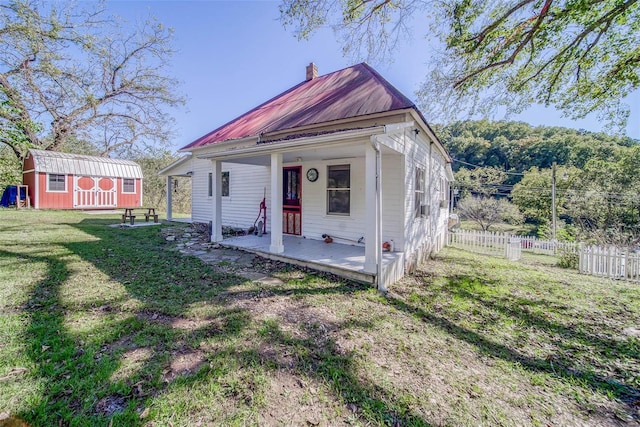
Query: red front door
(292,200)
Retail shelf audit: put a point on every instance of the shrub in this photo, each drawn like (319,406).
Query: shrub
(568,259)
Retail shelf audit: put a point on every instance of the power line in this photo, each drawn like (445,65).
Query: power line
(478,166)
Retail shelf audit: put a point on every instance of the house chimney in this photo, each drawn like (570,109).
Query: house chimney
(312,71)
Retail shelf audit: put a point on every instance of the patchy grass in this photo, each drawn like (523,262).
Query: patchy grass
(104,325)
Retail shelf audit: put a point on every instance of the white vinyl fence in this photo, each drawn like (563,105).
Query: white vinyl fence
(610,261)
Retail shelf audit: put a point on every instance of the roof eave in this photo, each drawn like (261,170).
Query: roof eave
(293,144)
(175,164)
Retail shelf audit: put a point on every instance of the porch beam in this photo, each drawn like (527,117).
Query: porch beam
(169,198)
(276,204)
(216,187)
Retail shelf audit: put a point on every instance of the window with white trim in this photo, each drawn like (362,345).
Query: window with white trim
(128,185)
(210,190)
(225,184)
(339,190)
(56,182)
(444,192)
(418,191)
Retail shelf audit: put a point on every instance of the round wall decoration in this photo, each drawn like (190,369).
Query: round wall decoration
(312,174)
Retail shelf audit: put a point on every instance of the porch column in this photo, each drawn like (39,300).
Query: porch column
(371,243)
(216,192)
(169,199)
(276,204)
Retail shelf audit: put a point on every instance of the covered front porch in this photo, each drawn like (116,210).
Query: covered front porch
(359,152)
(346,261)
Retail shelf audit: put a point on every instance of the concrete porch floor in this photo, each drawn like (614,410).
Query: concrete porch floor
(340,259)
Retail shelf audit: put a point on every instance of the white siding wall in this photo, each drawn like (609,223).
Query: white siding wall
(393,200)
(201,210)
(315,221)
(424,234)
(247,184)
(416,228)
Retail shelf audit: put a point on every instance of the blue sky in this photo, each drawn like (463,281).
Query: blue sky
(234,55)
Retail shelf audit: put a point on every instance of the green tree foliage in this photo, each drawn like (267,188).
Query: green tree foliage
(605,202)
(578,56)
(487,211)
(532,194)
(69,71)
(480,181)
(10,168)
(515,147)
(597,178)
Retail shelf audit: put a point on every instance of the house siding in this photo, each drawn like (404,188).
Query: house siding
(424,235)
(247,184)
(316,221)
(393,172)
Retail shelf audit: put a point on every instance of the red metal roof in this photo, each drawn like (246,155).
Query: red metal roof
(355,91)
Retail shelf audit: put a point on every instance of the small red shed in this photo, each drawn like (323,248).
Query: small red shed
(76,181)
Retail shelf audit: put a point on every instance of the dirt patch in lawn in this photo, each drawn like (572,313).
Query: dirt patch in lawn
(338,357)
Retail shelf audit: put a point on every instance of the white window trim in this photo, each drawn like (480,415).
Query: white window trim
(228,195)
(417,190)
(134,186)
(327,189)
(56,191)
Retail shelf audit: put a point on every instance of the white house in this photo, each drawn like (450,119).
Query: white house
(344,155)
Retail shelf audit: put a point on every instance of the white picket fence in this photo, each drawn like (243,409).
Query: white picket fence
(609,261)
(547,247)
(494,242)
(604,261)
(488,243)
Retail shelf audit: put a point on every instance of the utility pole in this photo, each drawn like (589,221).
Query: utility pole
(553,199)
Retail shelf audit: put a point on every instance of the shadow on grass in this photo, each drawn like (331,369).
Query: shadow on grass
(533,315)
(81,372)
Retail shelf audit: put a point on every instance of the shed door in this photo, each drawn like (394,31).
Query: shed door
(94,192)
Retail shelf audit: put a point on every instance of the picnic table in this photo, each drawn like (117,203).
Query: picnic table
(129,214)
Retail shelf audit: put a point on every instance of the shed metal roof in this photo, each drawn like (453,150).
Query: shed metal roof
(80,164)
(352,92)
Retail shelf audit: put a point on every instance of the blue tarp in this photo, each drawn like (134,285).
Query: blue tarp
(9,195)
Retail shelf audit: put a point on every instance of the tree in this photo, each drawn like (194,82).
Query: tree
(578,56)
(480,181)
(532,194)
(69,71)
(10,168)
(487,211)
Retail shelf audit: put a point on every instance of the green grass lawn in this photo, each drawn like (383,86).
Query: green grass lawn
(106,326)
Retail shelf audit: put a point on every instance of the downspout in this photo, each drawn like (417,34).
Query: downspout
(378,209)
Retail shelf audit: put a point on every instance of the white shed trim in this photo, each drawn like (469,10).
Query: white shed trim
(79,164)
